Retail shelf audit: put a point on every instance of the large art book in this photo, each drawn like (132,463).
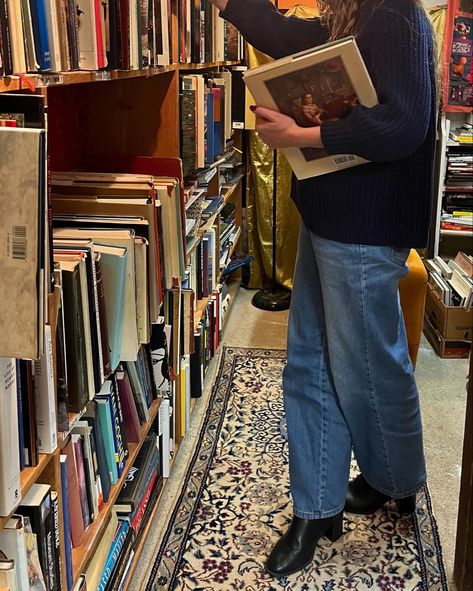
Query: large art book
(320,84)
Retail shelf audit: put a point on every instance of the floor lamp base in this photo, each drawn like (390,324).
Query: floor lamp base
(272,300)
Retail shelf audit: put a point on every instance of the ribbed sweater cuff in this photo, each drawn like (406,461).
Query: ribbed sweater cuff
(336,136)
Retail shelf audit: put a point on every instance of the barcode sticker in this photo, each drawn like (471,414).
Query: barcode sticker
(342,160)
(19,243)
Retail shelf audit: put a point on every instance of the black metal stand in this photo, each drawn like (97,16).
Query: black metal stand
(276,298)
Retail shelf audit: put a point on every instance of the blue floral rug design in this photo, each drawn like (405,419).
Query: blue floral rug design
(235,504)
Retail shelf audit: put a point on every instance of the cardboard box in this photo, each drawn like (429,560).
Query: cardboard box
(452,322)
(447,349)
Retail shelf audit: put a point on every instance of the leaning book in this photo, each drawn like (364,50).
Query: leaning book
(320,84)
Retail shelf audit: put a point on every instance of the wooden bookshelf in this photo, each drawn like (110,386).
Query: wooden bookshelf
(48,79)
(83,553)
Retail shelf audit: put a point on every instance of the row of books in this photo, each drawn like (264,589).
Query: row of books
(65,35)
(203,37)
(457,206)
(206,121)
(58,36)
(452,280)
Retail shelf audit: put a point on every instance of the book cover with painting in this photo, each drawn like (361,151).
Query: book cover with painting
(321,84)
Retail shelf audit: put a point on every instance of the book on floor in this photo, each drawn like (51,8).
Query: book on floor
(320,84)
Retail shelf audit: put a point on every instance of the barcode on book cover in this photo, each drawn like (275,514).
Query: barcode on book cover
(342,160)
(19,242)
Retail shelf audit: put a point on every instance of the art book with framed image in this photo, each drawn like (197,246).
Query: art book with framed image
(320,84)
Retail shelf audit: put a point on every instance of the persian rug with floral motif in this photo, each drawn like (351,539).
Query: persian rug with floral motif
(235,504)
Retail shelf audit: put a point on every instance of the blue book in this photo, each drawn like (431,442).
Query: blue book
(113,555)
(92,418)
(40,32)
(104,409)
(113,267)
(209,155)
(21,431)
(66,522)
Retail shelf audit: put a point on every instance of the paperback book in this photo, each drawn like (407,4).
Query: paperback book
(320,84)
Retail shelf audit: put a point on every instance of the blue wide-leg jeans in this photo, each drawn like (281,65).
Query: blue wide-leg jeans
(348,382)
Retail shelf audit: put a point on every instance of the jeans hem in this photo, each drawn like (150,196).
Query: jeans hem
(397,495)
(318,514)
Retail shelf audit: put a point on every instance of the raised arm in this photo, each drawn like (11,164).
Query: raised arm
(269,31)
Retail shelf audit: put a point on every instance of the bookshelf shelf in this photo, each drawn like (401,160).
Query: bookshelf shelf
(29,476)
(36,81)
(83,553)
(230,189)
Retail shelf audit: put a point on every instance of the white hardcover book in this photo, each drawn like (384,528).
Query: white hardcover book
(88,59)
(134,32)
(10,492)
(445,269)
(87,332)
(163,58)
(338,81)
(12,544)
(53,35)
(15,21)
(164,432)
(45,397)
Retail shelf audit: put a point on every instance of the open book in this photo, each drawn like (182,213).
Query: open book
(313,86)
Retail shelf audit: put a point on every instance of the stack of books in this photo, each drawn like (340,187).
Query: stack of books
(452,280)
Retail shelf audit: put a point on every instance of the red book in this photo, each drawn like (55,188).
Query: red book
(75,510)
(141,510)
(99,34)
(130,414)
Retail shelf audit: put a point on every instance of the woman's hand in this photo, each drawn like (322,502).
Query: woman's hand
(220,4)
(280,131)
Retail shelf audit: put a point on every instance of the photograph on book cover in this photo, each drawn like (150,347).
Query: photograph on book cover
(323,92)
(321,84)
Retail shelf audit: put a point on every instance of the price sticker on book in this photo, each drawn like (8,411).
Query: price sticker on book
(103,75)
(50,79)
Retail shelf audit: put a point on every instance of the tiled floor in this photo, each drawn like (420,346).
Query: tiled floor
(442,386)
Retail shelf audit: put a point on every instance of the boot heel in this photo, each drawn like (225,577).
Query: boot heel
(406,505)
(335,530)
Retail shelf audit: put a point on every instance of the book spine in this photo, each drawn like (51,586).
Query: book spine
(66,522)
(114,554)
(45,397)
(56,540)
(137,518)
(79,456)
(99,35)
(21,430)
(9,459)
(40,28)
(52,26)
(107,428)
(50,557)
(121,449)
(123,565)
(124,16)
(105,348)
(96,470)
(72,33)
(5,41)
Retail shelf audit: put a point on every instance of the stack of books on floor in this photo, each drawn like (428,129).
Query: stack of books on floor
(448,322)
(50,36)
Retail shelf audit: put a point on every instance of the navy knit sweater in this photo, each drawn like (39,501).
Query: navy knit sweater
(387,201)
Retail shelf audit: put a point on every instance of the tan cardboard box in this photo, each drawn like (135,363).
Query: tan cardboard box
(452,322)
(447,349)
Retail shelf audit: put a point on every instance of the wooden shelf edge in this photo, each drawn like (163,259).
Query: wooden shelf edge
(47,79)
(83,553)
(231,189)
(456,233)
(28,476)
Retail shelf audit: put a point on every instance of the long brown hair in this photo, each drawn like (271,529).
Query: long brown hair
(341,16)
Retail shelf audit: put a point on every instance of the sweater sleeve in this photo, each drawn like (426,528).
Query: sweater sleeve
(398,53)
(269,31)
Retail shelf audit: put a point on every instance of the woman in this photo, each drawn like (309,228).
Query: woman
(311,113)
(348,382)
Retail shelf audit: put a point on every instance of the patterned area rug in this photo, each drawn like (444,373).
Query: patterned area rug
(235,504)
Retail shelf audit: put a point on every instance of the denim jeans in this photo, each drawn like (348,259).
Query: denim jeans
(348,382)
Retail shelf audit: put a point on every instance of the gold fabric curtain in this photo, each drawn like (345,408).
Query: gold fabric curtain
(260,199)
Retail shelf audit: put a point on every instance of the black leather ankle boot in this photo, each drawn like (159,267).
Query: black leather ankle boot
(296,548)
(363,499)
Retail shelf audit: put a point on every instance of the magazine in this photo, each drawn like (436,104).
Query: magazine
(320,84)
